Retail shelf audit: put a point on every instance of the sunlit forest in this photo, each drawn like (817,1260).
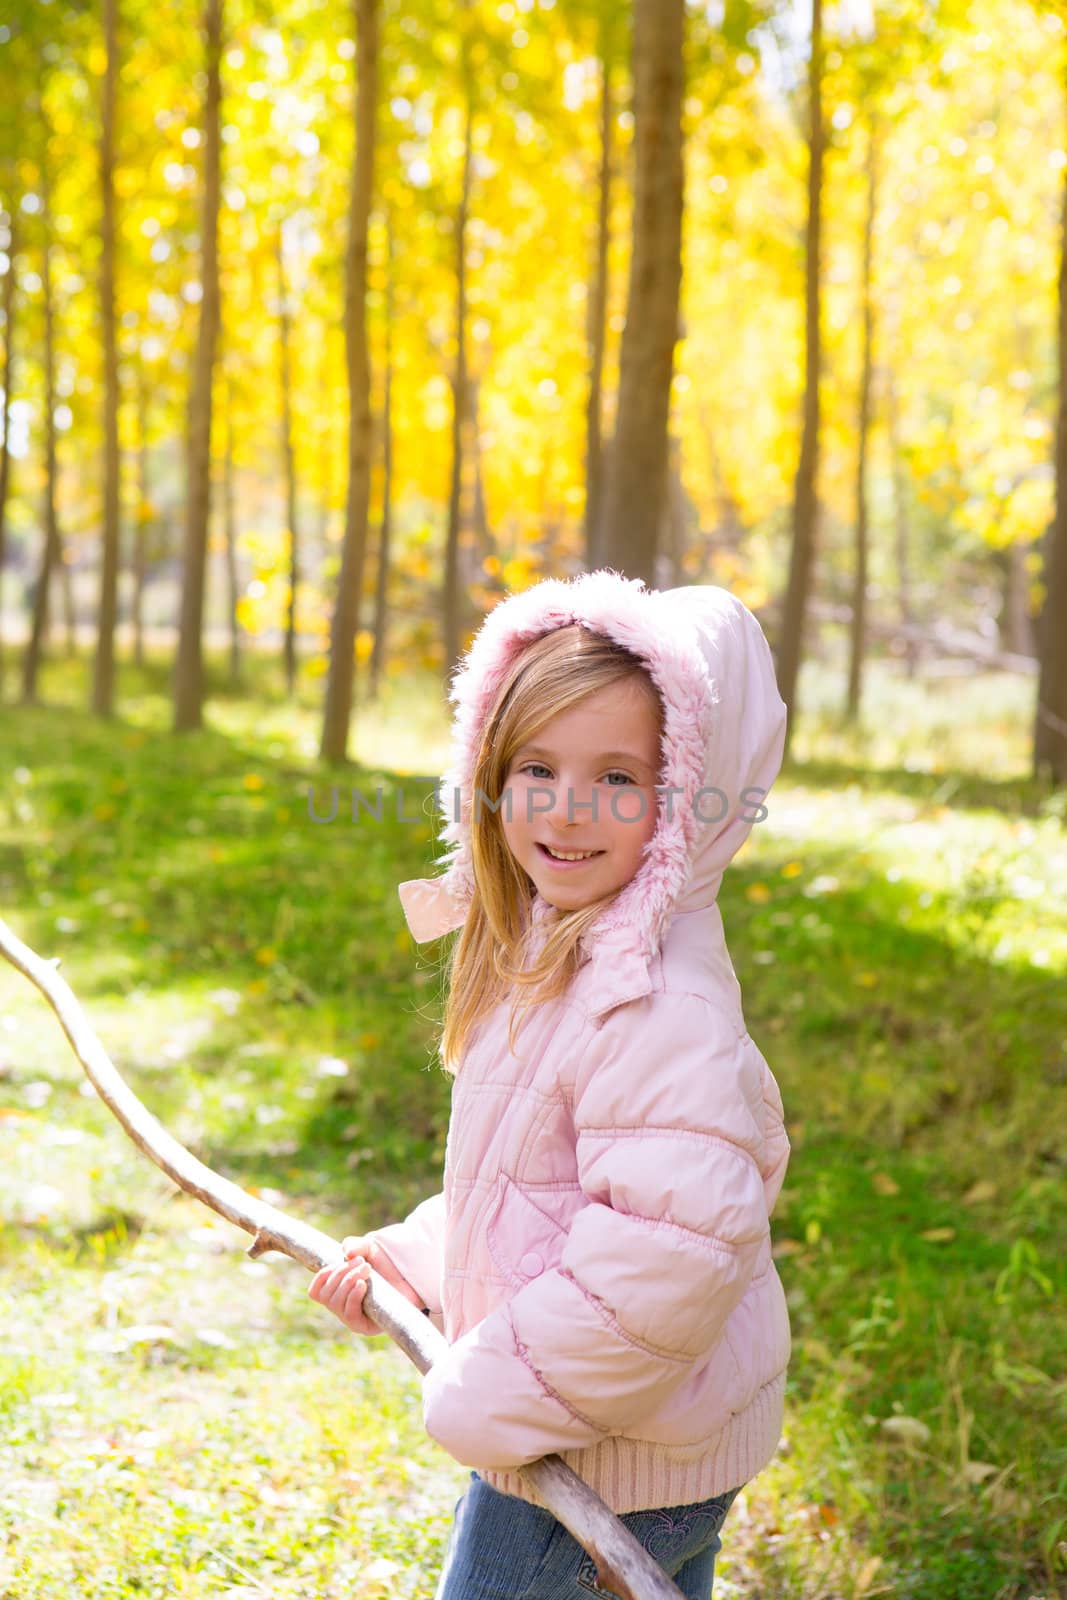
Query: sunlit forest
(299,340)
(322,329)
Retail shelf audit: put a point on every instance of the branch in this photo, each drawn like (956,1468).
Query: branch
(623,1564)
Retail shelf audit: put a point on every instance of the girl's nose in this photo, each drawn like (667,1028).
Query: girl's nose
(573,805)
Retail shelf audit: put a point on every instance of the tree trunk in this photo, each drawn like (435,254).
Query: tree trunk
(339,683)
(729,528)
(635,481)
(103,701)
(485,544)
(66,590)
(598,302)
(52,553)
(451,600)
(140,531)
(285,365)
(672,539)
(1014,623)
(805,498)
(9,303)
(1050,720)
(901,522)
(381,613)
(857,632)
(229,539)
(189,663)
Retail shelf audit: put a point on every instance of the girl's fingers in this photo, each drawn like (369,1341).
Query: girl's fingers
(326,1285)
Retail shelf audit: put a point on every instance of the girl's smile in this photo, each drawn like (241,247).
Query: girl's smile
(573,859)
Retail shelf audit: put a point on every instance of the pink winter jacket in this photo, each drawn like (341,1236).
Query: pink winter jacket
(599,1257)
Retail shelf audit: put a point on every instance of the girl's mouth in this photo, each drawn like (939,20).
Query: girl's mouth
(562,864)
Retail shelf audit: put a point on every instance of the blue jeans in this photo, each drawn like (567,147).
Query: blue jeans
(504,1548)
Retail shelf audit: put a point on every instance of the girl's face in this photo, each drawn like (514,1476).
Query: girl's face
(585,783)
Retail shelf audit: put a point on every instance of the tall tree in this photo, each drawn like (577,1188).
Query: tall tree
(598,295)
(385,528)
(1050,721)
(460,377)
(229,534)
(636,471)
(805,495)
(144,513)
(340,676)
(189,664)
(285,385)
(7,304)
(104,668)
(52,551)
(858,629)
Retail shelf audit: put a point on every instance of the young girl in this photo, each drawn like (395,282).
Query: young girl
(599,1257)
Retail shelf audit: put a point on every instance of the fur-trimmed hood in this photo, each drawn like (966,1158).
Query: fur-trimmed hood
(724,733)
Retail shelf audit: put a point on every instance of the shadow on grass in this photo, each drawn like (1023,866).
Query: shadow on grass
(1019,796)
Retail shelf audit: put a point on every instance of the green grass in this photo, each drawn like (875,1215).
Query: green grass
(899,928)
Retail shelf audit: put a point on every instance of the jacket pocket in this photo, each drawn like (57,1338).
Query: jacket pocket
(523,1240)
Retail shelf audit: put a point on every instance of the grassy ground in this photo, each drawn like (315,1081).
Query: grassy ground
(178,1420)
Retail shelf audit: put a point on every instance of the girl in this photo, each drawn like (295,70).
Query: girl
(599,1257)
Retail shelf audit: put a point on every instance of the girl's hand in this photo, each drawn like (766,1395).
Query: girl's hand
(341,1289)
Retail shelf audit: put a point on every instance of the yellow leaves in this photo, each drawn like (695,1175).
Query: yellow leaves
(518,574)
(866,980)
(364,645)
(980,1192)
(248,615)
(758,893)
(792,869)
(938,1235)
(96,60)
(266,955)
(883,1184)
(979,1471)
(252,781)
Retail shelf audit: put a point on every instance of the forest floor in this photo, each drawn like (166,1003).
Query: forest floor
(178,1420)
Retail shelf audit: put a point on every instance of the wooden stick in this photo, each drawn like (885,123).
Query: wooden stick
(623,1564)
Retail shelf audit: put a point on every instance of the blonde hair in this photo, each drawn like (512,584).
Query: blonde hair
(493,951)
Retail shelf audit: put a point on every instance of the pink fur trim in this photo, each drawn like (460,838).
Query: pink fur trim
(625,610)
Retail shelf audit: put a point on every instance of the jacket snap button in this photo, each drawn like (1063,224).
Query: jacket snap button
(531,1264)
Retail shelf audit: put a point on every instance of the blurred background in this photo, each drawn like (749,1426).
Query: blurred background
(323,327)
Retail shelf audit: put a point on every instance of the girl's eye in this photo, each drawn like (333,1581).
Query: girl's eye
(531,764)
(625,776)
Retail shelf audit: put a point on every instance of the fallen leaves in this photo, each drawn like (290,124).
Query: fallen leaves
(906,1430)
